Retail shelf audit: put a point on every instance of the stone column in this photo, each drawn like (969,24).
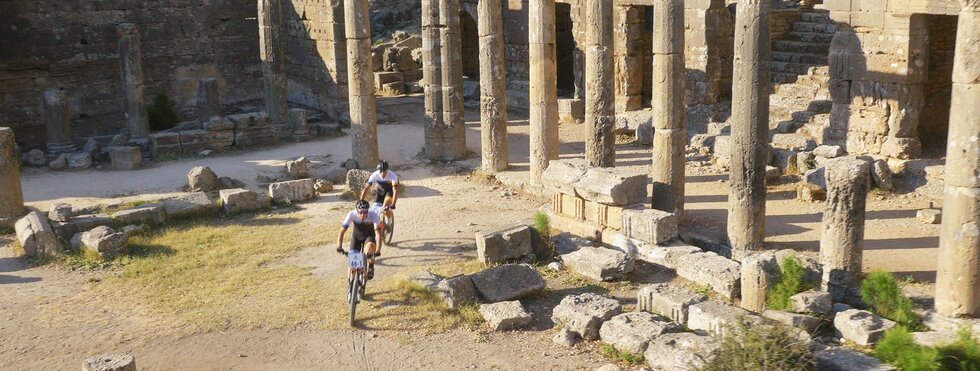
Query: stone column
(432,79)
(57,123)
(208,101)
(958,275)
(452,81)
(493,87)
(543,91)
(750,128)
(131,69)
(360,77)
(273,62)
(842,236)
(11,195)
(600,87)
(669,134)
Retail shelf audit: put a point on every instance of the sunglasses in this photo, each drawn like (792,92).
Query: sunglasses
(362,212)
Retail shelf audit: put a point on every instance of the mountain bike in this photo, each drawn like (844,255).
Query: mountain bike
(389,222)
(356,280)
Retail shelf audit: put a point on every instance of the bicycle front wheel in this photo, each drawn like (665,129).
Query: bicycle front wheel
(355,289)
(389,228)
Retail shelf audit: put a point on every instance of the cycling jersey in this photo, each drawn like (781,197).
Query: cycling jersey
(385,184)
(363,228)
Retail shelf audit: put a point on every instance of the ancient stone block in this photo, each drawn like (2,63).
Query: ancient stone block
(929,216)
(759,273)
(667,300)
(812,301)
(584,314)
(104,241)
(202,179)
(503,244)
(194,141)
(457,291)
(680,351)
(189,205)
(632,332)
(649,225)
(800,321)
(507,282)
(239,200)
(717,318)
(292,191)
(357,179)
(561,175)
(125,158)
(845,359)
(862,327)
(568,205)
(668,255)
(708,268)
(506,315)
(600,264)
(36,236)
(110,362)
(164,144)
(60,212)
(144,214)
(612,187)
(79,161)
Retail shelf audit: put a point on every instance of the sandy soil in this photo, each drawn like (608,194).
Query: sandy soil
(440,211)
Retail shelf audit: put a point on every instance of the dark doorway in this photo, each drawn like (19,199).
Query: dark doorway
(937,91)
(565,50)
(470,45)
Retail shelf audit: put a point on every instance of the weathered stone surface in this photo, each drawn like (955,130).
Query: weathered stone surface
(827,151)
(189,205)
(59,163)
(125,158)
(78,224)
(649,225)
(631,332)
(584,314)
(561,175)
(800,321)
(567,242)
(507,282)
(759,273)
(104,241)
(144,214)
(708,268)
(505,315)
(842,234)
(812,301)
(844,359)
(503,244)
(298,169)
(323,186)
(612,186)
(667,256)
(681,352)
(11,193)
(717,318)
(292,191)
(238,200)
(356,179)
(667,300)
(36,236)
(565,337)
(202,179)
(934,338)
(110,362)
(600,264)
(644,134)
(79,161)
(862,327)
(35,157)
(457,291)
(60,212)
(929,216)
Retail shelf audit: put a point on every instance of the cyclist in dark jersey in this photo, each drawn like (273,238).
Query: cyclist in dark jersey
(367,232)
(386,182)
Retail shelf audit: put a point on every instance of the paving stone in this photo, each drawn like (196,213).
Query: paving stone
(717,318)
(292,191)
(649,225)
(861,327)
(812,301)
(707,268)
(667,300)
(507,282)
(505,315)
(503,244)
(600,264)
(143,214)
(584,313)
(631,332)
(679,352)
(189,205)
(457,291)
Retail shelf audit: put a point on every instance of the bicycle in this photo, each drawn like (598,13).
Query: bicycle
(356,280)
(389,222)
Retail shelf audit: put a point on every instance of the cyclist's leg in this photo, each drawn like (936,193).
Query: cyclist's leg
(370,248)
(387,203)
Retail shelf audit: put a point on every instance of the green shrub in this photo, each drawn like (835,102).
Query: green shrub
(541,224)
(898,348)
(964,354)
(881,292)
(611,352)
(761,348)
(792,281)
(162,114)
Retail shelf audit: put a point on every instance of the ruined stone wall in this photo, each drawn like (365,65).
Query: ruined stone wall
(316,54)
(72,44)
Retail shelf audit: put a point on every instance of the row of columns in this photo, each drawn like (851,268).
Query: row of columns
(442,75)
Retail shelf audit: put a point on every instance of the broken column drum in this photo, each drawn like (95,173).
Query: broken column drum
(543,92)
(493,87)
(842,236)
(57,123)
(750,128)
(11,195)
(600,105)
(273,61)
(669,135)
(131,69)
(958,273)
(360,72)
(454,147)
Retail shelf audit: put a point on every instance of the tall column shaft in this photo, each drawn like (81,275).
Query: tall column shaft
(842,235)
(360,77)
(493,87)
(958,273)
(543,91)
(11,195)
(452,81)
(131,69)
(670,135)
(432,79)
(273,60)
(57,123)
(750,128)
(600,87)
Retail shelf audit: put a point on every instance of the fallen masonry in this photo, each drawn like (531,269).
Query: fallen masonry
(632,332)
(667,300)
(507,282)
(584,314)
(681,351)
(598,263)
(505,315)
(503,244)
(861,327)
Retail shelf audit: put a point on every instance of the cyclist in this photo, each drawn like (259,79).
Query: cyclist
(367,232)
(386,182)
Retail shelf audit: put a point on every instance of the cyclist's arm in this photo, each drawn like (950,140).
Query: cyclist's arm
(364,192)
(340,238)
(394,193)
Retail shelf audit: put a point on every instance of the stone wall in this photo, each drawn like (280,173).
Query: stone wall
(72,44)
(316,54)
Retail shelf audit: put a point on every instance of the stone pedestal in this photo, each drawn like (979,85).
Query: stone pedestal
(360,72)
(11,195)
(493,87)
(668,107)
(600,100)
(273,60)
(958,275)
(543,92)
(131,70)
(842,237)
(208,100)
(750,129)
(57,123)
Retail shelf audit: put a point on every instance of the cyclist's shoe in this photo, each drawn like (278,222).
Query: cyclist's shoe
(370,271)
(377,254)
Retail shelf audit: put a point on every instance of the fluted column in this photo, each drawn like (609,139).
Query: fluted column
(600,88)
(452,81)
(493,87)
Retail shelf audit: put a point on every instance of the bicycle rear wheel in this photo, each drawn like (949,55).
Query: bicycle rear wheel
(355,289)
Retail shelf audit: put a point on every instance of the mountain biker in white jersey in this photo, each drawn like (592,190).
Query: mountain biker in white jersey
(386,182)
(367,233)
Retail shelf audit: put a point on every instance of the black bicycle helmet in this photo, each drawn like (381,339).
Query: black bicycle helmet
(361,205)
(382,165)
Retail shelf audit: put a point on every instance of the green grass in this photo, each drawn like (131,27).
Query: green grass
(898,348)
(612,353)
(761,348)
(792,281)
(541,225)
(6,230)
(705,289)
(880,290)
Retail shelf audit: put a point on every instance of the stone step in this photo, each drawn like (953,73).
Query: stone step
(803,91)
(790,67)
(795,141)
(816,17)
(815,59)
(800,47)
(803,116)
(783,78)
(829,28)
(813,37)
